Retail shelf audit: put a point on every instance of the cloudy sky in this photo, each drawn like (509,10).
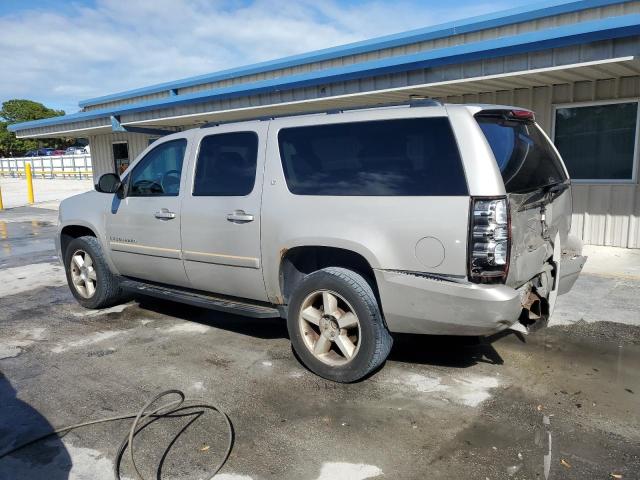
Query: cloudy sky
(60,52)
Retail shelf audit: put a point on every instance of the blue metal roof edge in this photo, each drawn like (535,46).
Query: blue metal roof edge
(493,20)
(613,27)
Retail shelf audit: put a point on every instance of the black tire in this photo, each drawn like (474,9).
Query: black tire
(107,287)
(374,341)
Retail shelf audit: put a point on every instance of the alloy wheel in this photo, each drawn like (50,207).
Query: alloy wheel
(330,327)
(83,274)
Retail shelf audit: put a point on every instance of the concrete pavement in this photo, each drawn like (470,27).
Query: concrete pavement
(562,405)
(51,191)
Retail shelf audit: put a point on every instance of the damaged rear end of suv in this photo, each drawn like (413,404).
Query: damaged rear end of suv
(523,239)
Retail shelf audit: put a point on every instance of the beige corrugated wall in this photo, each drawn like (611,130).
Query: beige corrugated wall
(486,34)
(102,151)
(603,214)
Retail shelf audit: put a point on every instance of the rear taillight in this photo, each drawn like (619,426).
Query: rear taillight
(489,240)
(523,114)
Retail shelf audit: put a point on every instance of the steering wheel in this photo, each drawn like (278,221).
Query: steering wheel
(148,185)
(174,174)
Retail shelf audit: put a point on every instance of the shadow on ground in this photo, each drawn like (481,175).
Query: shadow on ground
(265,328)
(449,351)
(20,422)
(445,351)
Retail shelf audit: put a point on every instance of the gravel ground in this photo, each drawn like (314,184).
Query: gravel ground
(559,404)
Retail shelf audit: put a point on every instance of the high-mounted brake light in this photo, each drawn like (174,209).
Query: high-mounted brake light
(523,114)
(489,240)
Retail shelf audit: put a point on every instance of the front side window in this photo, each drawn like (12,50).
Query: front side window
(226,165)
(598,142)
(404,157)
(158,173)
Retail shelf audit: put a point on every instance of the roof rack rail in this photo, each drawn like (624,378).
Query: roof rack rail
(424,102)
(412,102)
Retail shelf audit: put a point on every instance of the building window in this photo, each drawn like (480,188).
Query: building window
(120,156)
(598,141)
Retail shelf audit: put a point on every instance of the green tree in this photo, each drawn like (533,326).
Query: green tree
(16,111)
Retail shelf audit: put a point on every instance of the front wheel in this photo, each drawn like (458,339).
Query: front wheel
(336,327)
(89,278)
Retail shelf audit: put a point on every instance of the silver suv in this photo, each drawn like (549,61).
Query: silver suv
(429,219)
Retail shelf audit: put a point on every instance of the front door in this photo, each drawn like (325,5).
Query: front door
(221,214)
(144,228)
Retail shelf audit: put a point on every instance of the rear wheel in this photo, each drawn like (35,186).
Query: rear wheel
(336,327)
(89,278)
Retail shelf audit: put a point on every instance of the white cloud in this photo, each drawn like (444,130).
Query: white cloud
(62,57)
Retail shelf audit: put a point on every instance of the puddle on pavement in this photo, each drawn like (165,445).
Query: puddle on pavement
(19,238)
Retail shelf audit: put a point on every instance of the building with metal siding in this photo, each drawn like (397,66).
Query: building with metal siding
(555,58)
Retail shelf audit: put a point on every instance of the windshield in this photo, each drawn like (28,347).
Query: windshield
(526,159)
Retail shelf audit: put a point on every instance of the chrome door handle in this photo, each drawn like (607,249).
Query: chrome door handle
(164,214)
(239,216)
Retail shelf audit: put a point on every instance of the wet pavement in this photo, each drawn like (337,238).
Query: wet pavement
(563,403)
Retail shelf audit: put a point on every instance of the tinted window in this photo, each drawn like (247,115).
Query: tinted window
(392,157)
(226,164)
(158,173)
(525,157)
(598,142)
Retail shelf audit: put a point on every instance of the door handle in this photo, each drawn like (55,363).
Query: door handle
(239,216)
(164,214)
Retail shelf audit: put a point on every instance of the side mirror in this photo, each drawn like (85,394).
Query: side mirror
(108,183)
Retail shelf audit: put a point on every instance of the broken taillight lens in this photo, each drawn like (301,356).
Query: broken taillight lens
(489,240)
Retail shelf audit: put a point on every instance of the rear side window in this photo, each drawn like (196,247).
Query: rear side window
(226,165)
(406,157)
(526,159)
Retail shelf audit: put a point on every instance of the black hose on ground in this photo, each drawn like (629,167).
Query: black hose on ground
(141,416)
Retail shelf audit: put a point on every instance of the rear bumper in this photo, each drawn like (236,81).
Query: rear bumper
(570,268)
(418,304)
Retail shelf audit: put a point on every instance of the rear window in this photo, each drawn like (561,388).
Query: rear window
(526,159)
(406,157)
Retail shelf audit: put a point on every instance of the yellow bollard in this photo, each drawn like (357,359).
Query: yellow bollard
(1,206)
(27,169)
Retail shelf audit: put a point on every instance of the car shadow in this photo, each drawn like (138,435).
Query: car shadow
(443,351)
(450,351)
(265,328)
(446,351)
(19,422)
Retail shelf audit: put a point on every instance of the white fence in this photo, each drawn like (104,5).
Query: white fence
(66,166)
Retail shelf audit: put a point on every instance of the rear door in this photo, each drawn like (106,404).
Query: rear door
(144,227)
(221,212)
(537,185)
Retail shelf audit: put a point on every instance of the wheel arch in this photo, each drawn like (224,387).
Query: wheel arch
(77,228)
(71,232)
(299,261)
